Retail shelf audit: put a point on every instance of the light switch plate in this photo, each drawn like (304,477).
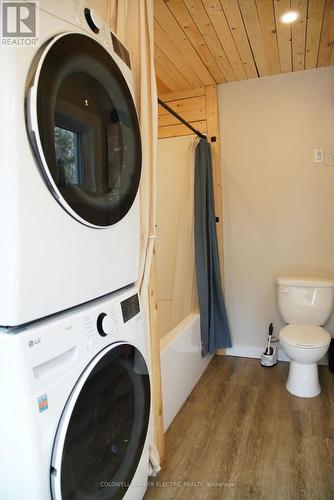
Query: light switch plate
(318,156)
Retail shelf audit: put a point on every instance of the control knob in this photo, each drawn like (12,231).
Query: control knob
(103,324)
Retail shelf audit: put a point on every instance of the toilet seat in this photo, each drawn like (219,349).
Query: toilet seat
(305,336)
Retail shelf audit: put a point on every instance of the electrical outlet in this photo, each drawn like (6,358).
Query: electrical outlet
(318,156)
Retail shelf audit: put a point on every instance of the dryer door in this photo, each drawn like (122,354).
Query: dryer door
(84,130)
(102,431)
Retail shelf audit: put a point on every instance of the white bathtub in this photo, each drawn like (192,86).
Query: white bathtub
(181,365)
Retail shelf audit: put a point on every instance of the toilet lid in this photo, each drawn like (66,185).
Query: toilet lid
(306,336)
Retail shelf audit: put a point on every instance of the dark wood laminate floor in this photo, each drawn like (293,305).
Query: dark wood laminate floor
(241,435)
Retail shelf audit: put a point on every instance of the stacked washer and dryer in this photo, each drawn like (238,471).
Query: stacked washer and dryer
(74,379)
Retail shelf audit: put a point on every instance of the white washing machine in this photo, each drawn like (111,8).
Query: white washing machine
(70,166)
(75,411)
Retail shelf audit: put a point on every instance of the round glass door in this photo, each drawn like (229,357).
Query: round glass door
(84,130)
(103,429)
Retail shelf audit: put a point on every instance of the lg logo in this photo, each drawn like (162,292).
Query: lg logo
(34,342)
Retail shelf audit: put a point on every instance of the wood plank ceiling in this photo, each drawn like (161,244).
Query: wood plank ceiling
(203,42)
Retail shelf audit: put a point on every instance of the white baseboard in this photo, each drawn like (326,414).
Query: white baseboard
(245,351)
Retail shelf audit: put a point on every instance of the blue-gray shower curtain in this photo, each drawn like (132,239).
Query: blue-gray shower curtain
(215,331)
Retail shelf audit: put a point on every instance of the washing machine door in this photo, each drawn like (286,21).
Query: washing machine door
(102,431)
(84,130)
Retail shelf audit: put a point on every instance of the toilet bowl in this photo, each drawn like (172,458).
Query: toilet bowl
(304,303)
(304,345)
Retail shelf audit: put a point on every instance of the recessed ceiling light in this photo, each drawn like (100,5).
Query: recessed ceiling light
(289,17)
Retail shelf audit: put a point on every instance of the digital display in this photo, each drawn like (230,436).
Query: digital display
(130,307)
(120,50)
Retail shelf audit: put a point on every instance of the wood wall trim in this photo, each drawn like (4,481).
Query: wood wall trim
(191,105)
(185,94)
(213,131)
(156,388)
(181,130)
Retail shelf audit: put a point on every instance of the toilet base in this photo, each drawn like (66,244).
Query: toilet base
(303,380)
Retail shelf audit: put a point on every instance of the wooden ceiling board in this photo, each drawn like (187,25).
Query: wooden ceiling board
(298,30)
(181,14)
(168,22)
(220,25)
(234,18)
(252,24)
(162,88)
(205,42)
(167,72)
(200,17)
(315,15)
(283,36)
(166,45)
(327,35)
(267,21)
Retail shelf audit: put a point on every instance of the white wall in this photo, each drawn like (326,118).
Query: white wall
(278,204)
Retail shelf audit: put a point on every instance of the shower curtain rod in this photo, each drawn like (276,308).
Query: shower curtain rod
(197,132)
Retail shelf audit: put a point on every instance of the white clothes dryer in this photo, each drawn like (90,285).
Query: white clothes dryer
(70,166)
(75,417)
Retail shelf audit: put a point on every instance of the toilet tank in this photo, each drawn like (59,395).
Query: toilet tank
(305,300)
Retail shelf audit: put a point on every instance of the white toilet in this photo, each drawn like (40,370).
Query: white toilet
(305,303)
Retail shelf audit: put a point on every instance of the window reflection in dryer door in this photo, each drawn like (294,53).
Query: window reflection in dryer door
(68,156)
